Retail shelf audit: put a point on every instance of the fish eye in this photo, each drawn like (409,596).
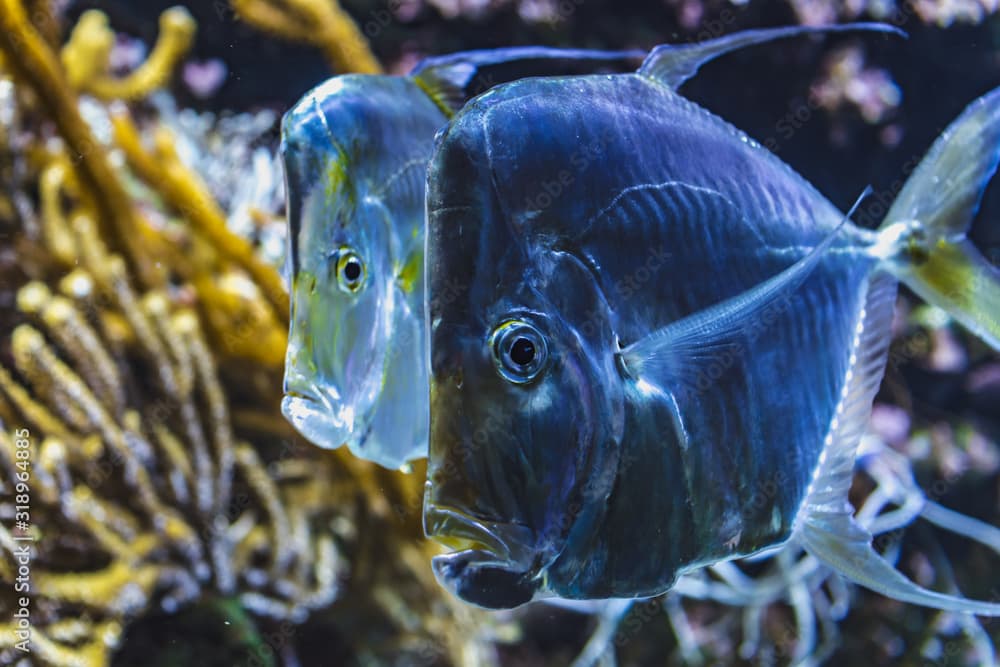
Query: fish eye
(350,270)
(519,351)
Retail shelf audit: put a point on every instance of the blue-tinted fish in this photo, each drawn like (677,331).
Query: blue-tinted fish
(667,342)
(355,151)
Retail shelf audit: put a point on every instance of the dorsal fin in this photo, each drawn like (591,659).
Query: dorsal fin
(452,80)
(673,64)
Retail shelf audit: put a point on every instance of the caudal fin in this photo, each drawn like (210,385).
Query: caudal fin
(922,243)
(923,235)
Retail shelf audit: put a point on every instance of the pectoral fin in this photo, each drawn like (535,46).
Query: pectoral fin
(666,356)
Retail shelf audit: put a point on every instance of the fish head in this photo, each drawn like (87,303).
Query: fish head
(526,415)
(354,151)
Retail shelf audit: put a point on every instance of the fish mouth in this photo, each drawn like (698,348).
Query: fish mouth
(492,565)
(458,531)
(314,415)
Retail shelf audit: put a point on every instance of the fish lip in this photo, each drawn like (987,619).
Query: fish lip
(475,576)
(506,543)
(315,418)
(492,568)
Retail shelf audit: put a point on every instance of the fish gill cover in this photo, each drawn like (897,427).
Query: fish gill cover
(175,518)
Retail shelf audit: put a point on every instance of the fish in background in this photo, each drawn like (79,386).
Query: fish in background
(355,151)
(668,360)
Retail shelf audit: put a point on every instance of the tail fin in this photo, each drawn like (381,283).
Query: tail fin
(923,244)
(924,231)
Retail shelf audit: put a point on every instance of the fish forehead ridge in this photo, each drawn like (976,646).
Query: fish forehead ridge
(363,113)
(503,147)
(368,136)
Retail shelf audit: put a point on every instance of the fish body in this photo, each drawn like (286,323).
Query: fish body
(355,151)
(668,341)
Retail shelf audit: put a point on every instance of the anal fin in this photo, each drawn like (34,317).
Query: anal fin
(837,540)
(826,526)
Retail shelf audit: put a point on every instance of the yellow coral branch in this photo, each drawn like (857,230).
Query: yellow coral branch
(70,329)
(85,56)
(116,589)
(180,473)
(185,193)
(241,322)
(96,650)
(271,18)
(55,230)
(256,475)
(185,324)
(53,469)
(156,308)
(36,413)
(35,64)
(339,38)
(34,357)
(322,23)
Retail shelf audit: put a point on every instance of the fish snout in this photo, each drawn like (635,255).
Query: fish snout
(476,577)
(493,563)
(322,421)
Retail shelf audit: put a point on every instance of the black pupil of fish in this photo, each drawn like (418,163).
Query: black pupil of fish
(352,270)
(522,352)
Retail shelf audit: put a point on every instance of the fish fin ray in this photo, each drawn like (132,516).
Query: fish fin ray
(668,353)
(450,80)
(833,476)
(945,189)
(837,540)
(673,64)
(923,235)
(826,526)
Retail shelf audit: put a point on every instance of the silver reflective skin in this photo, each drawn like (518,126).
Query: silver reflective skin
(654,346)
(355,149)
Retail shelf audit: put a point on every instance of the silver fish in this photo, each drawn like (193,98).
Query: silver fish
(667,343)
(355,151)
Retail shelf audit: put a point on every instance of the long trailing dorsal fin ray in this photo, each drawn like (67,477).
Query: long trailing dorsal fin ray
(666,356)
(825,525)
(673,64)
(451,80)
